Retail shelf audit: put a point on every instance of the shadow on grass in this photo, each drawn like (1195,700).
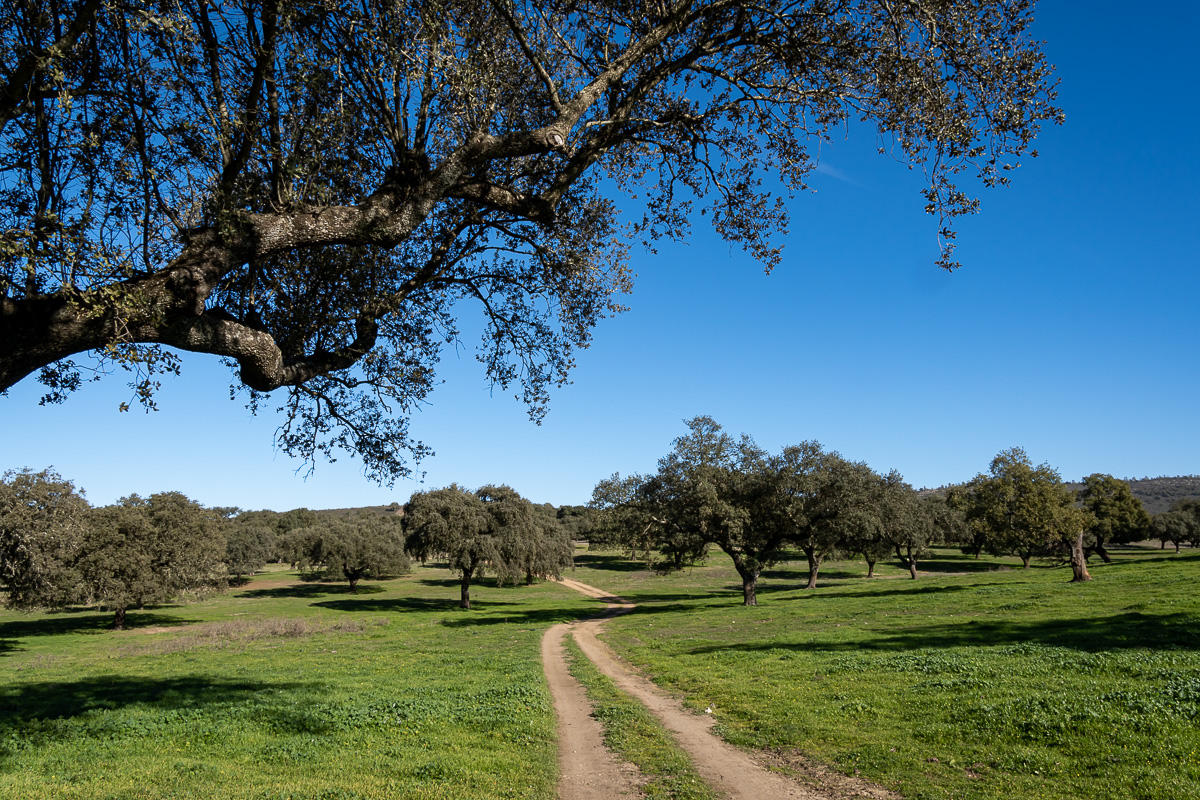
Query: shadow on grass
(907,587)
(28,707)
(89,622)
(308,590)
(1095,634)
(613,562)
(529,616)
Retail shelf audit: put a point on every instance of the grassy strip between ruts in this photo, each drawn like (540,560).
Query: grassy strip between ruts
(979,680)
(633,733)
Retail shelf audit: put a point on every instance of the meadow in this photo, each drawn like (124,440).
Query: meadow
(979,680)
(286,690)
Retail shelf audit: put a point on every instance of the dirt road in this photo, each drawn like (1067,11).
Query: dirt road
(732,772)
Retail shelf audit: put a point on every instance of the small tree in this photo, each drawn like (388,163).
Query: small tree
(42,519)
(451,523)
(1118,516)
(1173,526)
(248,547)
(141,551)
(366,545)
(907,524)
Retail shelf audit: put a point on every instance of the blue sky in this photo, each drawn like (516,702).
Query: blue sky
(1072,329)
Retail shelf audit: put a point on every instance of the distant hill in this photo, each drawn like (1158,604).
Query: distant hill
(1157,494)
(394,509)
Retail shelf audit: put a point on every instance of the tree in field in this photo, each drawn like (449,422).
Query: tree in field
(1191,508)
(314,191)
(364,546)
(477,532)
(248,546)
(907,523)
(1119,516)
(972,532)
(530,543)
(42,519)
(841,505)
(1026,511)
(142,551)
(1175,527)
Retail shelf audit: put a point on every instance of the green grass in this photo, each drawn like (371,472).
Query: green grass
(284,690)
(632,732)
(997,682)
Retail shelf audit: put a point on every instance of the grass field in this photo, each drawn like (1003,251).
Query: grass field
(976,681)
(278,690)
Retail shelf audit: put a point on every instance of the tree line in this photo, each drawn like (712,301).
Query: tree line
(759,508)
(57,551)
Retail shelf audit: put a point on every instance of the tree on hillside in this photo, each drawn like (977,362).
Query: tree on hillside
(42,519)
(314,191)
(1119,516)
(362,546)
(140,551)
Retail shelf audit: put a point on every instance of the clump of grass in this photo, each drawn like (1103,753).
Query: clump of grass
(633,732)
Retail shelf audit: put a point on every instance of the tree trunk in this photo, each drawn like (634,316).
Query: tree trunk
(912,568)
(1025,560)
(814,567)
(465,601)
(1177,548)
(353,584)
(1100,551)
(870,568)
(119,618)
(750,589)
(1078,562)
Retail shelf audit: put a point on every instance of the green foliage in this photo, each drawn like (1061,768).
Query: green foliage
(491,530)
(316,191)
(367,545)
(248,547)
(42,518)
(142,551)
(1117,516)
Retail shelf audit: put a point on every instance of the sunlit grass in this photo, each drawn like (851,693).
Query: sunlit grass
(997,682)
(286,690)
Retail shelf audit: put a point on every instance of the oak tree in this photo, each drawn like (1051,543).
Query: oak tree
(42,519)
(149,550)
(316,192)
(1118,516)
(364,546)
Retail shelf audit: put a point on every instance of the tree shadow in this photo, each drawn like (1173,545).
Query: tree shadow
(1097,634)
(910,587)
(66,700)
(309,590)
(965,564)
(611,562)
(534,616)
(87,622)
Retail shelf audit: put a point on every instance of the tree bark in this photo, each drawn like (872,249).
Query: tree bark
(870,568)
(912,568)
(119,618)
(814,567)
(465,596)
(1100,551)
(1025,560)
(1078,562)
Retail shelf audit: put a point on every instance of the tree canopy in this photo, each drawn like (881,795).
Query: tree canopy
(315,192)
